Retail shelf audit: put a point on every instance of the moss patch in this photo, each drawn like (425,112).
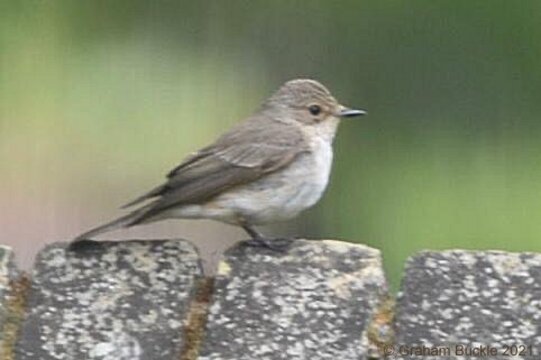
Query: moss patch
(15,310)
(197,319)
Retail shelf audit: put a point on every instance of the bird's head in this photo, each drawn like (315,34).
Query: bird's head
(308,103)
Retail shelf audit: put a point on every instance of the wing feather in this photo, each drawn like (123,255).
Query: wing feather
(240,156)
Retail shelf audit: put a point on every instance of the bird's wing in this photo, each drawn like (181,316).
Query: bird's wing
(240,156)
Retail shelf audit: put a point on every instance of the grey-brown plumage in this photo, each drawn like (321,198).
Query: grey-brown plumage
(268,168)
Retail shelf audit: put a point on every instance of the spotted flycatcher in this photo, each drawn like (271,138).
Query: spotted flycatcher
(268,168)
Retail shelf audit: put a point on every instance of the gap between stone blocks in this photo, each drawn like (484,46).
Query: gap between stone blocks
(197,318)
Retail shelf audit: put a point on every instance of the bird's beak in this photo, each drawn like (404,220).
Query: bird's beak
(345,112)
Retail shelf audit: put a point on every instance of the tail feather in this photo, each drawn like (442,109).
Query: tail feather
(152,193)
(132,218)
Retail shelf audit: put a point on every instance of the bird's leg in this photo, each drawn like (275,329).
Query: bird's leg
(259,240)
(254,234)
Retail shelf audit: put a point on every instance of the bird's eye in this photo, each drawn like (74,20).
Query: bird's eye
(314,109)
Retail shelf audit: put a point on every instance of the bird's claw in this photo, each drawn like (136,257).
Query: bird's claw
(83,245)
(278,244)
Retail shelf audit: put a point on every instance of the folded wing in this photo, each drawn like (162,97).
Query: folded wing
(241,156)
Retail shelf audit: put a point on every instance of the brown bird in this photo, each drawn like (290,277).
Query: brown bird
(268,168)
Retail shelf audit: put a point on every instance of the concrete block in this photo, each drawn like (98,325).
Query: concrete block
(12,298)
(471,300)
(116,301)
(314,301)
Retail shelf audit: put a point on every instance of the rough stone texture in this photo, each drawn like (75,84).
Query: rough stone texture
(9,314)
(473,299)
(7,270)
(126,300)
(314,301)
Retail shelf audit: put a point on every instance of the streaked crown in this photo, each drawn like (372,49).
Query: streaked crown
(301,92)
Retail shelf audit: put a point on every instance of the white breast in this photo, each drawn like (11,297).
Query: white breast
(281,195)
(317,169)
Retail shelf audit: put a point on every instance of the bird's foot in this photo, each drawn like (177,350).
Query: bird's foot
(277,244)
(83,245)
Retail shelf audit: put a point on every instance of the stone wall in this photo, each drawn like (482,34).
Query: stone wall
(142,300)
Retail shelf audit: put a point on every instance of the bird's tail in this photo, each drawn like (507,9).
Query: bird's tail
(131,219)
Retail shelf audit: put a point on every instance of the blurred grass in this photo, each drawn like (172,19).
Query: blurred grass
(98,99)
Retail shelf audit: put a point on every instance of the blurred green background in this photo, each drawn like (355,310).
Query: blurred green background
(99,99)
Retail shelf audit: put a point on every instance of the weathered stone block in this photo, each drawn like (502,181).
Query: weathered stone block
(7,270)
(314,301)
(126,300)
(474,299)
(11,302)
